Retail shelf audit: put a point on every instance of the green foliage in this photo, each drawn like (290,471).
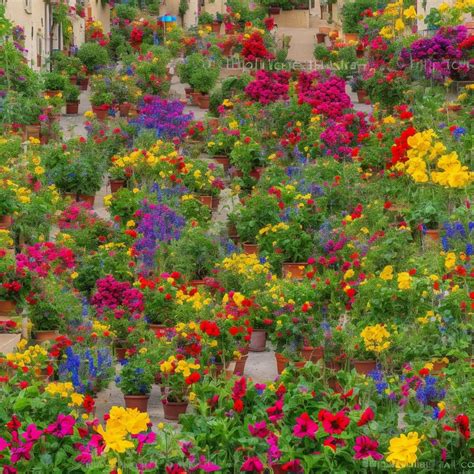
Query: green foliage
(136,376)
(203,80)
(93,56)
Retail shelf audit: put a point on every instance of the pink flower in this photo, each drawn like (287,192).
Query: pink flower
(333,423)
(64,426)
(259,429)
(305,426)
(252,464)
(366,447)
(32,433)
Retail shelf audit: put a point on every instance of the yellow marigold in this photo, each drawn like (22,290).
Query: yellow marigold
(404,281)
(402,450)
(387,273)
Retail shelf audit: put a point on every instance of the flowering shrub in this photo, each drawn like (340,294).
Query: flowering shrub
(254,49)
(269,87)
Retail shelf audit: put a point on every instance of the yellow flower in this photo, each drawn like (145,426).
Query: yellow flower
(389,120)
(89,114)
(410,13)
(387,273)
(131,223)
(402,450)
(376,338)
(450,260)
(74,275)
(108,200)
(404,281)
(399,25)
(349,274)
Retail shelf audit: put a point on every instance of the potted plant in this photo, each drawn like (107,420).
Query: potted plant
(370,343)
(14,284)
(93,56)
(177,378)
(203,252)
(159,297)
(101,103)
(259,210)
(288,245)
(51,308)
(135,381)
(8,205)
(191,64)
(203,81)
(54,83)
(71,94)
(247,157)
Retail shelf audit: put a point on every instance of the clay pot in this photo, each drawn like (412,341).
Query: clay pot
(281,361)
(258,340)
(100,113)
(216,27)
(321,38)
(7,307)
(206,201)
(204,101)
(197,283)
(188,90)
(116,184)
(250,249)
(5,222)
(32,131)
(257,172)
(312,353)
(124,109)
(86,198)
(73,80)
(295,271)
(364,366)
(83,83)
(52,93)
(432,235)
(120,352)
(72,108)
(195,98)
(50,335)
(140,402)
(362,96)
(333,365)
(215,203)
(240,365)
(438,367)
(274,10)
(352,37)
(223,160)
(172,410)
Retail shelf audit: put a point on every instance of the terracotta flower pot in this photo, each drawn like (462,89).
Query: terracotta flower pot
(52,93)
(240,365)
(156,327)
(204,101)
(140,402)
(281,361)
(364,366)
(432,235)
(124,109)
(250,249)
(352,37)
(223,160)
(312,353)
(321,38)
(187,91)
(197,283)
(362,96)
(120,352)
(215,203)
(274,10)
(100,113)
(333,365)
(216,27)
(83,83)
(73,80)
(172,410)
(213,122)
(50,335)
(295,271)
(72,108)
(5,222)
(7,307)
(205,200)
(86,198)
(32,131)
(258,340)
(195,98)
(116,184)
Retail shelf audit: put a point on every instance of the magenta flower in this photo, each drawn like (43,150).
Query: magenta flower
(305,426)
(252,464)
(64,426)
(22,451)
(32,433)
(3,444)
(366,447)
(259,429)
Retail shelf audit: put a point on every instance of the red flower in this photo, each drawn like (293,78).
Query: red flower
(193,378)
(367,416)
(462,422)
(333,423)
(238,405)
